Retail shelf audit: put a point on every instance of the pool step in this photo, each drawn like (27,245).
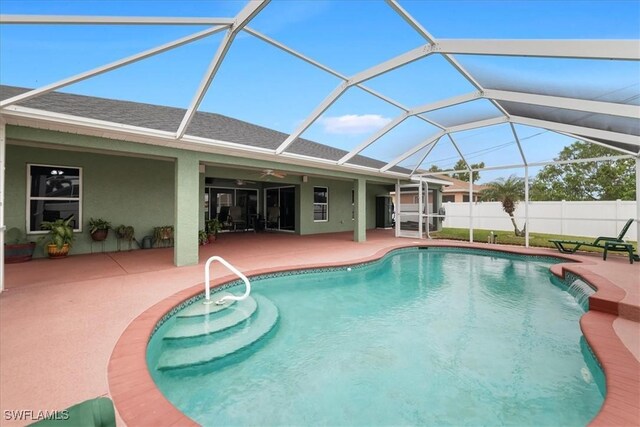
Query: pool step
(186,328)
(199,310)
(254,328)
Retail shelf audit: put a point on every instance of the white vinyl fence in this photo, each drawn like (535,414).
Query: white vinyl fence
(590,219)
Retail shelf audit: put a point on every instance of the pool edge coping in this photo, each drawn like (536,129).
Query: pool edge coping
(139,401)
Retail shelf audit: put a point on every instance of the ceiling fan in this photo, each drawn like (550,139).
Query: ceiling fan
(244,182)
(271,172)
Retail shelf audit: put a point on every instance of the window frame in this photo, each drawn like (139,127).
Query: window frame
(450,198)
(29,198)
(326,190)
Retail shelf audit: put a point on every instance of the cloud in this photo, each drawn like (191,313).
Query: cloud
(353,124)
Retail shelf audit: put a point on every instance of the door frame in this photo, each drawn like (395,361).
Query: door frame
(265,207)
(208,187)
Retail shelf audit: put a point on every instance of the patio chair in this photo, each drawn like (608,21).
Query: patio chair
(223,216)
(273,216)
(235,214)
(614,244)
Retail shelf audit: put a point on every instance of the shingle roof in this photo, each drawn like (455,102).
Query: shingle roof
(205,125)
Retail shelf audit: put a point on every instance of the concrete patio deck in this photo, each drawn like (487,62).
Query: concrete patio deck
(61,319)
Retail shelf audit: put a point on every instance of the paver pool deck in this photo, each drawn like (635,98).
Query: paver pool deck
(60,320)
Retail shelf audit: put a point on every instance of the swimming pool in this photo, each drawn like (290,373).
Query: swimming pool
(437,336)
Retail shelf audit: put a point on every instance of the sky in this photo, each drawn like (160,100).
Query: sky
(263,85)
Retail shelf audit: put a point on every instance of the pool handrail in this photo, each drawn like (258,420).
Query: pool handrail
(207,279)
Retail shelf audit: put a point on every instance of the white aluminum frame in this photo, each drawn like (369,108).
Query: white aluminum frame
(575,104)
(578,49)
(584,49)
(110,20)
(329,70)
(242,19)
(111,66)
(425,156)
(580,130)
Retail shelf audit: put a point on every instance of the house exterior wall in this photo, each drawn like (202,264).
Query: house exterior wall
(340,206)
(459,196)
(412,198)
(123,190)
(374,190)
(135,184)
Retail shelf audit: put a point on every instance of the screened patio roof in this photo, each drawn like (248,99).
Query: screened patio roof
(468,99)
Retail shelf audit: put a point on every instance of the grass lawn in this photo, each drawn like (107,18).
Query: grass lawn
(509,238)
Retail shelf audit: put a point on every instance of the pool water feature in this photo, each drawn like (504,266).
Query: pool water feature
(432,337)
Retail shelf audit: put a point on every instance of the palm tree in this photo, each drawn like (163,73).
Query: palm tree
(507,191)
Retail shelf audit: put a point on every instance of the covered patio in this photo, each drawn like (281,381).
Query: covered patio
(78,307)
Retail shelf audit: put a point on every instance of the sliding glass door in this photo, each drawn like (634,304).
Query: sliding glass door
(280,208)
(221,200)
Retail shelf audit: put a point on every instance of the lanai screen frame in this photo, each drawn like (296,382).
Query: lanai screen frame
(620,50)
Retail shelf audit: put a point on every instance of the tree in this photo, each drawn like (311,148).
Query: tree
(507,191)
(585,181)
(464,176)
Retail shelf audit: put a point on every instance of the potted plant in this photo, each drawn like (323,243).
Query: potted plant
(17,249)
(163,235)
(126,233)
(99,229)
(60,237)
(203,238)
(213,228)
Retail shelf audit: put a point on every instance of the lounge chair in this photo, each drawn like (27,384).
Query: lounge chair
(614,244)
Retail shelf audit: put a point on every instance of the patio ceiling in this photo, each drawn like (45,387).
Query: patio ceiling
(610,119)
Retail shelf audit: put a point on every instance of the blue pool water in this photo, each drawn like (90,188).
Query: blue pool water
(422,337)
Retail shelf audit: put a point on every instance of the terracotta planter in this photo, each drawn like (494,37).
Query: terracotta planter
(212,238)
(55,253)
(18,252)
(99,235)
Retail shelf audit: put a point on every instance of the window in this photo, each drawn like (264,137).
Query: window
(320,204)
(465,198)
(448,198)
(53,192)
